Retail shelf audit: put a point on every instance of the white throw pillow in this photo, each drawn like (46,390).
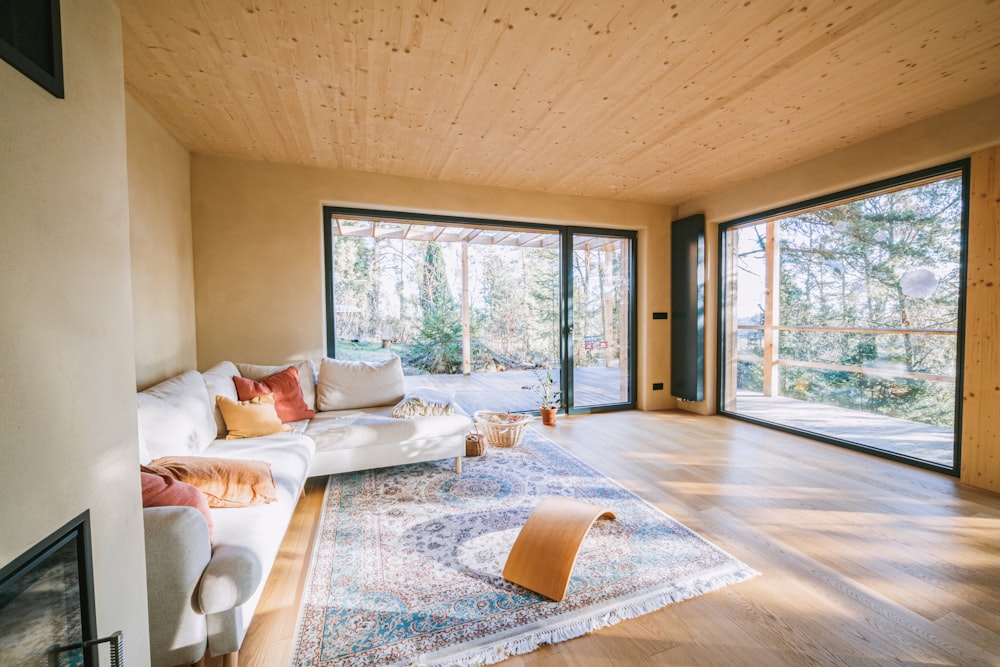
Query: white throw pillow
(307,377)
(219,382)
(175,416)
(344,385)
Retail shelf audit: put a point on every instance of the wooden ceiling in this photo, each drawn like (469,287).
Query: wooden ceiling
(649,100)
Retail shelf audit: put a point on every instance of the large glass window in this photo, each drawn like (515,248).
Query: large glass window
(479,308)
(842,318)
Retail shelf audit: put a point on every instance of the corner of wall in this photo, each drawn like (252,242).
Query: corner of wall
(161,246)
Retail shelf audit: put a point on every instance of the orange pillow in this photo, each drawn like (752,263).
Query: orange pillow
(284,386)
(225,482)
(250,419)
(165,491)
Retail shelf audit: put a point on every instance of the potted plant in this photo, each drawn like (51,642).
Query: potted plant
(549,397)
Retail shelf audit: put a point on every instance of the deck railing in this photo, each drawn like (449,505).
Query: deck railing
(772,362)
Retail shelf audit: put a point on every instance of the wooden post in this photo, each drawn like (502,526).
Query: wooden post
(772,282)
(466,334)
(980,420)
(731,332)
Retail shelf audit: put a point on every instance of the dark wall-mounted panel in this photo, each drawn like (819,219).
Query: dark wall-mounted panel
(687,301)
(31,41)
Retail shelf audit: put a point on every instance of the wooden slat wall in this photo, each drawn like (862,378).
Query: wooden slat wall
(981,396)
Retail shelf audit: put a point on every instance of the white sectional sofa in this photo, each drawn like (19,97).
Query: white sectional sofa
(203,591)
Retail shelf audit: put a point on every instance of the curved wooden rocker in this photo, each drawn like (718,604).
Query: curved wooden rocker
(545,550)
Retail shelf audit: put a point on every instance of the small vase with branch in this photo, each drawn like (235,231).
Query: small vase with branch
(549,396)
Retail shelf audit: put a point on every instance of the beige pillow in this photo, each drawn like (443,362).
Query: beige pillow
(358,384)
(219,382)
(250,419)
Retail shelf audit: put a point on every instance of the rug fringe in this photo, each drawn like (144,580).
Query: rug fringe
(493,653)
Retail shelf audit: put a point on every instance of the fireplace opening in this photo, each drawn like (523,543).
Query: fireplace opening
(47,601)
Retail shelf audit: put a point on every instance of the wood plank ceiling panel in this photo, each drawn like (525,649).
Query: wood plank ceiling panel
(651,100)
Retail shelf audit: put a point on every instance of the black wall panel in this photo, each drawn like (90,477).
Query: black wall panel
(687,301)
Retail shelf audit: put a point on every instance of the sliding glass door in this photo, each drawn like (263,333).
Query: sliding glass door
(842,318)
(602,323)
(485,309)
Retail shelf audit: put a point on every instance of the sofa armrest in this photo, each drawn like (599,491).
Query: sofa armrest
(177,551)
(231,578)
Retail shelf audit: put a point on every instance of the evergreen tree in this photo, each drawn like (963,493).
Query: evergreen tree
(439,348)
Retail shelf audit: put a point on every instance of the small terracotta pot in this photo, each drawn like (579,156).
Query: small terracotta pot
(549,416)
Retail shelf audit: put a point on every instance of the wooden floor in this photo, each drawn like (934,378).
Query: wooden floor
(864,561)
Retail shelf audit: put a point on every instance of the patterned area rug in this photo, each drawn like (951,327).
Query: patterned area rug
(408,560)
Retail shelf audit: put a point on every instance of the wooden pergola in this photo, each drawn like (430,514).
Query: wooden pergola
(412,230)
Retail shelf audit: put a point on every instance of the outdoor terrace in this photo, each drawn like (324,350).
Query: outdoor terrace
(503,391)
(900,436)
(600,386)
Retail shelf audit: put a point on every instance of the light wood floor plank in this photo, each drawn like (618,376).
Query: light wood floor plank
(863,561)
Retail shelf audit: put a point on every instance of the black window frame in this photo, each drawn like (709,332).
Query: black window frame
(565,232)
(958,167)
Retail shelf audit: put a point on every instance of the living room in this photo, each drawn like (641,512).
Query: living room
(129,258)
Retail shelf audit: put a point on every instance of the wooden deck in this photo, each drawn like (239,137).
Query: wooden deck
(900,436)
(503,391)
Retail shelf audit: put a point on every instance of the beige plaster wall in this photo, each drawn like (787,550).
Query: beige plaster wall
(67,377)
(159,198)
(258,252)
(951,136)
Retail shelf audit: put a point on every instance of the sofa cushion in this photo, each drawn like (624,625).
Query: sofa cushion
(176,416)
(345,385)
(369,438)
(219,382)
(161,490)
(243,558)
(307,377)
(225,482)
(284,387)
(250,419)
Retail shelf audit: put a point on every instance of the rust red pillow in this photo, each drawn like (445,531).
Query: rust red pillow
(165,491)
(284,387)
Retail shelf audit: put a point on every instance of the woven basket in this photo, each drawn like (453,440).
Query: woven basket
(475,445)
(503,433)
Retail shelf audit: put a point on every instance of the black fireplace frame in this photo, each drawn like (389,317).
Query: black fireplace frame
(76,530)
